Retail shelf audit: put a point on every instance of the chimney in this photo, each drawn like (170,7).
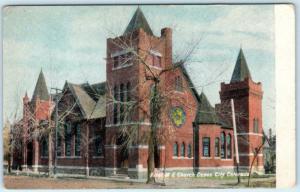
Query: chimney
(270,133)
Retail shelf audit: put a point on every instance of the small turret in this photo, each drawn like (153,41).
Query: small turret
(241,70)
(26,98)
(40,91)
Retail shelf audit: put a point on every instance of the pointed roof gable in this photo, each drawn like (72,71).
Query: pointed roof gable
(241,70)
(89,108)
(138,21)
(84,101)
(100,108)
(206,113)
(41,90)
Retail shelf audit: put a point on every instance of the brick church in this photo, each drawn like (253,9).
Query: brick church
(89,117)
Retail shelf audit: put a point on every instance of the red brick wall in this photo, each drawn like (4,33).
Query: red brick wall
(247,97)
(214,131)
(136,75)
(184,134)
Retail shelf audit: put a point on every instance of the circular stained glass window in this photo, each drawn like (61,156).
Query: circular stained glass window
(178,116)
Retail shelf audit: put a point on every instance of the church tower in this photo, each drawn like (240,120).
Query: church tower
(131,59)
(34,111)
(40,101)
(247,96)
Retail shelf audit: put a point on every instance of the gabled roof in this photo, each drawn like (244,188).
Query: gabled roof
(40,90)
(100,108)
(89,108)
(241,70)
(94,90)
(85,102)
(138,21)
(206,113)
(180,64)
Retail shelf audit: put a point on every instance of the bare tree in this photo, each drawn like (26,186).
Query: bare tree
(155,105)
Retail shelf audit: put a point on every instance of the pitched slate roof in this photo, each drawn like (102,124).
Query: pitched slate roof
(40,90)
(180,64)
(138,21)
(94,90)
(90,108)
(206,113)
(100,108)
(84,101)
(241,70)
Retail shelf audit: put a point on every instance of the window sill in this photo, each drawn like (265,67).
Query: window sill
(226,159)
(206,158)
(69,157)
(155,67)
(44,157)
(175,157)
(122,66)
(98,157)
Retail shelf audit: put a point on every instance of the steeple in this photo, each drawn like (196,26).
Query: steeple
(41,90)
(206,113)
(241,70)
(138,21)
(26,98)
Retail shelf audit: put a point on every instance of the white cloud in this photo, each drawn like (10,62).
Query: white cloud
(70,43)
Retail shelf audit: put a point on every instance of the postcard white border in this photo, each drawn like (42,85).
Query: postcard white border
(285,95)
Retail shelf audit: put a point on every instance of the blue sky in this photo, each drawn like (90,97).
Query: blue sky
(69,43)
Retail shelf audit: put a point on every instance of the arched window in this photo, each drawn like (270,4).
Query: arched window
(182,150)
(77,140)
(223,155)
(175,149)
(189,151)
(217,147)
(151,96)
(128,105)
(128,91)
(59,145)
(98,144)
(228,143)
(115,116)
(206,147)
(116,62)
(68,139)
(178,83)
(255,125)
(156,60)
(122,103)
(44,147)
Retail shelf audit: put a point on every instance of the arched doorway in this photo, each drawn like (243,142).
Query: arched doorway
(29,154)
(123,155)
(156,156)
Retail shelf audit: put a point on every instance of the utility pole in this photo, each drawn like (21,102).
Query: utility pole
(56,128)
(235,141)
